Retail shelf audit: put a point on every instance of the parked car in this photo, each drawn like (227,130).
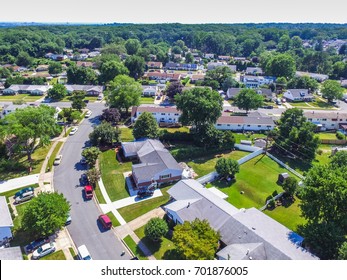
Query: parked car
(88,114)
(83,160)
(88,191)
(24,197)
(84,179)
(22,191)
(68,220)
(99,97)
(86,101)
(73,130)
(36,243)
(58,159)
(105,221)
(44,250)
(144,193)
(83,253)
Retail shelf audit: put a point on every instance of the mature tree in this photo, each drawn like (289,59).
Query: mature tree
(199,106)
(45,214)
(113,49)
(296,136)
(176,50)
(196,240)
(284,43)
(77,99)
(132,46)
(342,254)
(110,69)
(247,99)
(5,72)
(281,65)
(219,74)
(104,134)
(81,75)
(110,115)
(156,228)
(332,90)
(54,68)
(136,65)
(32,127)
(229,82)
(290,186)
(174,88)
(208,136)
(303,82)
(123,93)
(24,59)
(339,159)
(57,92)
(228,139)
(189,58)
(146,126)
(94,176)
(69,115)
(91,155)
(227,167)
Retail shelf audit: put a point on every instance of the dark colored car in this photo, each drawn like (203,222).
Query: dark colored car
(105,221)
(36,244)
(84,180)
(22,191)
(144,193)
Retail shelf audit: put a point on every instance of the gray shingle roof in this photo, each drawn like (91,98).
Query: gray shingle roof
(12,253)
(246,251)
(5,216)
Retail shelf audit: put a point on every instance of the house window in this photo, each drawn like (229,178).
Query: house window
(153,114)
(228,124)
(332,124)
(268,126)
(326,119)
(176,114)
(248,125)
(310,120)
(334,120)
(340,120)
(219,124)
(165,176)
(259,125)
(163,114)
(238,125)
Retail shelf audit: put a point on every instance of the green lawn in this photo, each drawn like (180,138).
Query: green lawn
(126,134)
(134,248)
(158,249)
(99,195)
(19,97)
(59,255)
(38,158)
(247,136)
(174,129)
(206,164)
(133,211)
(20,238)
(317,105)
(112,175)
(53,155)
(146,100)
(113,218)
(327,135)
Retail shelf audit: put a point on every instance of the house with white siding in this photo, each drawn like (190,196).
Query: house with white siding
(327,120)
(256,81)
(162,114)
(90,90)
(6,223)
(297,95)
(150,90)
(29,89)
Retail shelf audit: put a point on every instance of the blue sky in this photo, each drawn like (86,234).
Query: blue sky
(183,11)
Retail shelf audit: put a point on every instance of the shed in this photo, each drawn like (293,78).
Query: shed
(282,177)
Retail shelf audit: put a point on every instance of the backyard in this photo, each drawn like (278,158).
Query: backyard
(256,181)
(112,175)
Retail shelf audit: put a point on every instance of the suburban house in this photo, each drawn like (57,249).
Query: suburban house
(150,90)
(163,114)
(156,164)
(209,55)
(154,65)
(30,89)
(255,71)
(86,64)
(11,253)
(214,65)
(90,90)
(250,122)
(256,81)
(293,95)
(197,77)
(42,67)
(162,77)
(327,120)
(224,57)
(267,93)
(316,76)
(11,108)
(246,234)
(181,66)
(232,92)
(6,222)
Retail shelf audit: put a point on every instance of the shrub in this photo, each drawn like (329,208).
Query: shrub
(340,135)
(176,136)
(320,152)
(156,228)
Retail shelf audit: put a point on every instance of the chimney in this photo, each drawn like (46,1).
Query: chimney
(247,252)
(188,204)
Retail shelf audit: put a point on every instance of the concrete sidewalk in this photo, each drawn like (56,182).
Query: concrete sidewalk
(19,182)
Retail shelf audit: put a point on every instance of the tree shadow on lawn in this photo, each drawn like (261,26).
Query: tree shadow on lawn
(153,246)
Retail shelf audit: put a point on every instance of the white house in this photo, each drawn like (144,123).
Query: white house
(11,108)
(316,76)
(297,95)
(252,122)
(327,120)
(30,89)
(150,90)
(6,222)
(90,90)
(254,81)
(209,55)
(254,71)
(167,114)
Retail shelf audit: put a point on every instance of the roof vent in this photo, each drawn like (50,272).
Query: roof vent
(247,252)
(253,228)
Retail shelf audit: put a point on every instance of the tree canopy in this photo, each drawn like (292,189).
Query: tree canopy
(248,99)
(156,228)
(104,134)
(227,167)
(332,90)
(146,126)
(57,92)
(91,155)
(110,69)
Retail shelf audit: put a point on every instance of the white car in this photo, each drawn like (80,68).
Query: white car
(24,197)
(83,253)
(58,159)
(73,130)
(88,114)
(100,97)
(43,250)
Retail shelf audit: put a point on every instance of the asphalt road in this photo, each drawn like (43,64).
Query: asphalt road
(84,229)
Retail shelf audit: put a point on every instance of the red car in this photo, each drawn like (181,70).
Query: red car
(88,190)
(105,221)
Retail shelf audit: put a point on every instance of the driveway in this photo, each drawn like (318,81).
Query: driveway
(84,229)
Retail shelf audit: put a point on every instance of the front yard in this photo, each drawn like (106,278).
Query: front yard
(112,175)
(20,98)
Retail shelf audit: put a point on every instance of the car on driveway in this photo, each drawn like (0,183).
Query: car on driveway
(88,114)
(24,197)
(83,253)
(73,130)
(58,159)
(36,243)
(44,250)
(105,221)
(22,191)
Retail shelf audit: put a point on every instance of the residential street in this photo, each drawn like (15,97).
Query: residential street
(84,228)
